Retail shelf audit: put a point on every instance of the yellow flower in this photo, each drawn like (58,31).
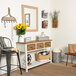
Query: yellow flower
(18,27)
(25,25)
(15,27)
(19,24)
(25,28)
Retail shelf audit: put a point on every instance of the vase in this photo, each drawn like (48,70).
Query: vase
(20,38)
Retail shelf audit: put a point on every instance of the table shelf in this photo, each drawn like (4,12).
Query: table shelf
(37,63)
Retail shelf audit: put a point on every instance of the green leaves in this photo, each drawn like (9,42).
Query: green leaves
(20,32)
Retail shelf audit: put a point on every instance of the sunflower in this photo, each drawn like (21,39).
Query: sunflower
(25,25)
(15,27)
(19,27)
(19,24)
(25,28)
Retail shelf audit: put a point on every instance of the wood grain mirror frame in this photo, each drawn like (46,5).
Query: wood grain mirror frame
(23,17)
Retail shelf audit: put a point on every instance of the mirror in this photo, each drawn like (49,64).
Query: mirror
(30,17)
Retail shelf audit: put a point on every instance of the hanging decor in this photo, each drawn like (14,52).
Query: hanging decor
(8,18)
(55,19)
(44,24)
(44,14)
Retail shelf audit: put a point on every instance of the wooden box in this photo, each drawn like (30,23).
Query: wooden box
(42,57)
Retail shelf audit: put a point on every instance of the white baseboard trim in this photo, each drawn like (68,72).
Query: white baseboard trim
(69,61)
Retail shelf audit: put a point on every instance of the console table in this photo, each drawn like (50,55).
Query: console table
(33,47)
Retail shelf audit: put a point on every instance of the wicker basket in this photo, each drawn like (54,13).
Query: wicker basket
(42,57)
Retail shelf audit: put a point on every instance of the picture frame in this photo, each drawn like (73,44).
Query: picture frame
(44,24)
(44,14)
(27,19)
(33,17)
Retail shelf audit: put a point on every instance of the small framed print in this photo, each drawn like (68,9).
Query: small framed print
(44,14)
(27,39)
(45,24)
(27,19)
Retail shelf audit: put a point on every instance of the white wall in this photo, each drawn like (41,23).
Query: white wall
(15,6)
(66,32)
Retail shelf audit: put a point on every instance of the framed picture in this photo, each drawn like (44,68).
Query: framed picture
(30,17)
(27,19)
(44,14)
(45,24)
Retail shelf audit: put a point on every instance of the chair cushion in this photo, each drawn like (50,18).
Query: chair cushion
(68,53)
(10,50)
(14,49)
(74,54)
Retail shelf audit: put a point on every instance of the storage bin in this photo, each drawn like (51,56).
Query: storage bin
(42,57)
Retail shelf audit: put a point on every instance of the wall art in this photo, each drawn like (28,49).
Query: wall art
(45,24)
(27,19)
(44,14)
(54,16)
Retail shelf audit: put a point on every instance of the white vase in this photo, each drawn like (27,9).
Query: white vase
(22,38)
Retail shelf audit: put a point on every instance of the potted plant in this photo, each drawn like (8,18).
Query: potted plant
(55,19)
(20,30)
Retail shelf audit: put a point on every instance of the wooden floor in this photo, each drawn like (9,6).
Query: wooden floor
(49,69)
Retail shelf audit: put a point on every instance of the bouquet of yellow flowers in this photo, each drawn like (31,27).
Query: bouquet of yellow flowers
(20,29)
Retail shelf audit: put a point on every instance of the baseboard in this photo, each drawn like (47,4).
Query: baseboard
(4,73)
(74,61)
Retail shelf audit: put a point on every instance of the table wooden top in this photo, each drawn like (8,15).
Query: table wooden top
(32,41)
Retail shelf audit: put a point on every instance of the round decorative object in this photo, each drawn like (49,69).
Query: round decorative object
(29,58)
(44,53)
